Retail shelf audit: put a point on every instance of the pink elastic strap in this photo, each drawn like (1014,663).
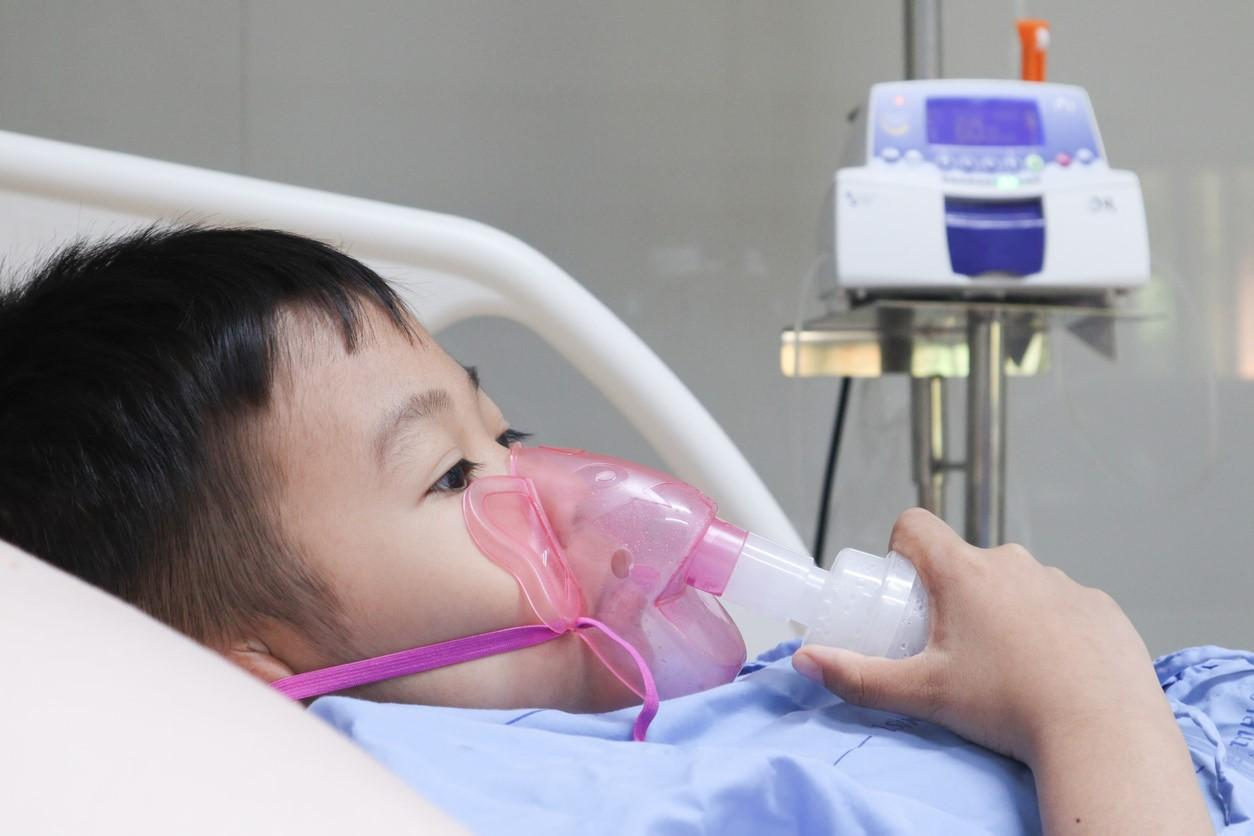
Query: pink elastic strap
(649,710)
(429,657)
(415,660)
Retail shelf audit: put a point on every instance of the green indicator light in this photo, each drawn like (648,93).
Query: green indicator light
(1007,181)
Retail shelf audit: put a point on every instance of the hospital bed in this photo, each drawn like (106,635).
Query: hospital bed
(111,723)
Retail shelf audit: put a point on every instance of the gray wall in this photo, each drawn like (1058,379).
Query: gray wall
(674,157)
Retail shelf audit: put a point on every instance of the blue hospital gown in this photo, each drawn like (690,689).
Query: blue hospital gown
(771,752)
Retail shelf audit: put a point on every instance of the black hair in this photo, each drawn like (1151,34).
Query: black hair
(132,374)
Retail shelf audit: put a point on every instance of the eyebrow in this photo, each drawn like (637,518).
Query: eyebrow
(412,409)
(415,408)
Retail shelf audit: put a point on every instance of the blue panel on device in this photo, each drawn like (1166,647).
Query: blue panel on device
(967,121)
(1002,237)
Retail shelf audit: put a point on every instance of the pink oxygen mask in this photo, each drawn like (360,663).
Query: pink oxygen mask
(598,537)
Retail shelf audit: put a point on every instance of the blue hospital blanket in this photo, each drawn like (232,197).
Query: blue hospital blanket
(771,752)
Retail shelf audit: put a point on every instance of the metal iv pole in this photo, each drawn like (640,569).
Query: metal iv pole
(986,429)
(986,365)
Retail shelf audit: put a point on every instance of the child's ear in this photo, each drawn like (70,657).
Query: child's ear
(254,656)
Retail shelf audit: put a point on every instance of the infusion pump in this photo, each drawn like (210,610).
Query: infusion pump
(975,186)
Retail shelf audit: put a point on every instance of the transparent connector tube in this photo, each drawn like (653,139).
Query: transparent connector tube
(870,604)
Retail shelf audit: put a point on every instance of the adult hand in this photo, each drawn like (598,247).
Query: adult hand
(1027,662)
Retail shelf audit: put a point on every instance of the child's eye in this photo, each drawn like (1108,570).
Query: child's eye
(511,436)
(456,478)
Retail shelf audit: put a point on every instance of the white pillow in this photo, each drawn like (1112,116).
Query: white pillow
(111,723)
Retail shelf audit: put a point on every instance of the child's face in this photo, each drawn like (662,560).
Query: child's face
(369,447)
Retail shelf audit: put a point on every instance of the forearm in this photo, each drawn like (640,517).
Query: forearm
(1129,773)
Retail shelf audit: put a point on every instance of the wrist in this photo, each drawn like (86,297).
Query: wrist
(1155,791)
(1111,731)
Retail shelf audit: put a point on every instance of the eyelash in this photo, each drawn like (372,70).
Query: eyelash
(463,473)
(512,436)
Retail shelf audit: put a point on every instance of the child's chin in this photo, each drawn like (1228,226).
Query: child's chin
(608,693)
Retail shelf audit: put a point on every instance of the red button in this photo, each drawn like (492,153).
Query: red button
(1063,159)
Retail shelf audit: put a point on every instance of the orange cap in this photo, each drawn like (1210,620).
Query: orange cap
(1034,38)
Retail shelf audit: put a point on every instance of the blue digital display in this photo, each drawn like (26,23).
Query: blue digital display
(1008,122)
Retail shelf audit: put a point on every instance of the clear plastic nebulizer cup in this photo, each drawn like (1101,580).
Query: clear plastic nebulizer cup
(870,604)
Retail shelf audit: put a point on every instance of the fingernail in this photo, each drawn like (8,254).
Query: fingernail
(805,665)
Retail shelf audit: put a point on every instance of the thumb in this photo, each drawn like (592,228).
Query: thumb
(897,685)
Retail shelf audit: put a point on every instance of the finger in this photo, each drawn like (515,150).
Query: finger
(899,685)
(927,542)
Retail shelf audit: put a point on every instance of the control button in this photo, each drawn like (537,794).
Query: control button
(966,163)
(1034,162)
(943,160)
(1084,155)
(913,157)
(1063,158)
(1010,162)
(988,163)
(890,154)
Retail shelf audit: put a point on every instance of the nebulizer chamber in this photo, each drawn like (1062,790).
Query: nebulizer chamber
(870,604)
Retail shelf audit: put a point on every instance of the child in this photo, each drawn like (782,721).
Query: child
(246,434)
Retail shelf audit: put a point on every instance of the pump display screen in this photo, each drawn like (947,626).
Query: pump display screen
(953,121)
